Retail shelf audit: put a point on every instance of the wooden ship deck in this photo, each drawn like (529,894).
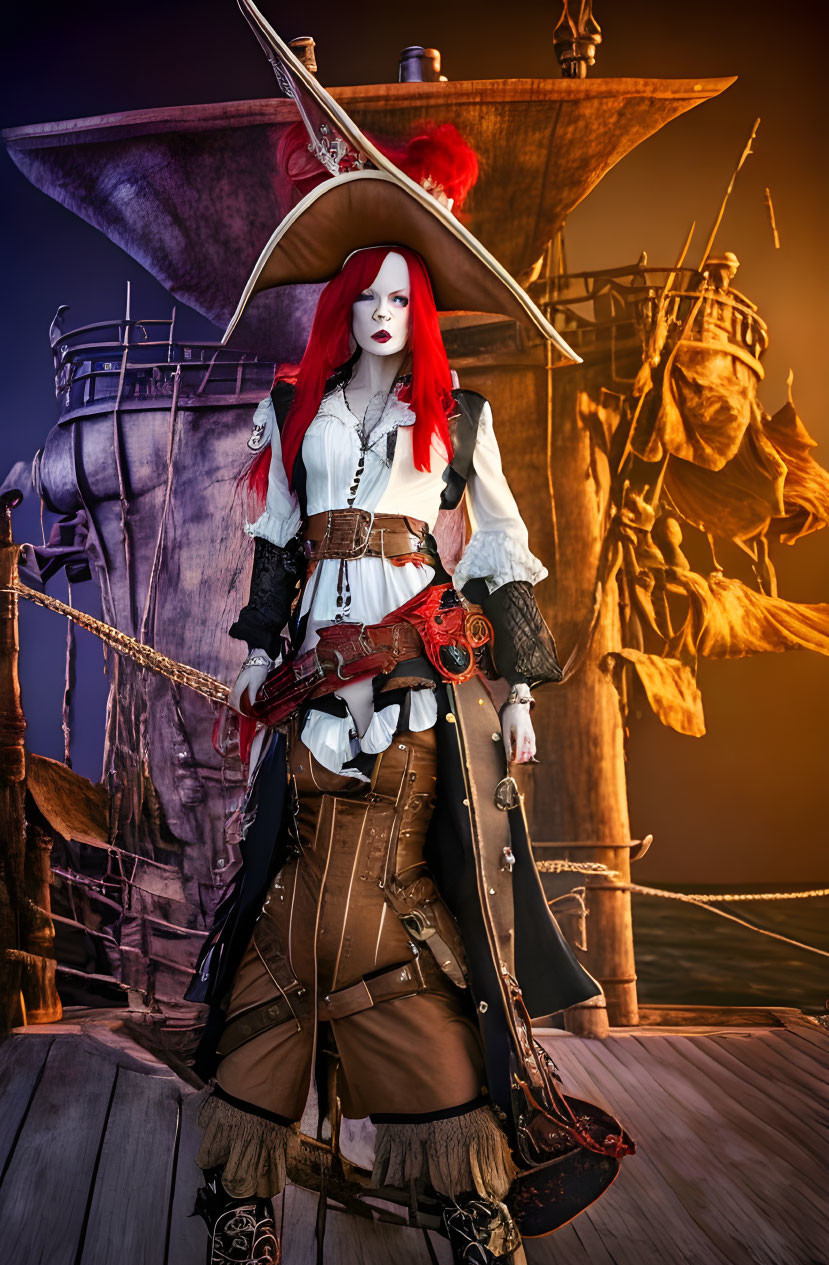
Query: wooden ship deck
(728,1108)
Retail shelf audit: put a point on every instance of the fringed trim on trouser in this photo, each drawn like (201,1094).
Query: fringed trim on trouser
(250,1150)
(455,1155)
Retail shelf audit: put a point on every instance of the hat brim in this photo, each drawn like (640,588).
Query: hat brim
(372,208)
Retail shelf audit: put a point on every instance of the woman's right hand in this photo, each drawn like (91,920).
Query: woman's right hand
(250,680)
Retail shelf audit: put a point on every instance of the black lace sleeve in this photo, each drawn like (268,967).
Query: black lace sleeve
(277,572)
(523,647)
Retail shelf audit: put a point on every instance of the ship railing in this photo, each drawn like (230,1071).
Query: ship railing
(615,305)
(89,373)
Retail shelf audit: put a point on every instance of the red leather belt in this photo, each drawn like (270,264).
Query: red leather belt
(434,623)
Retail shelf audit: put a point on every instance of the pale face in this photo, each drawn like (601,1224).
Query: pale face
(380,315)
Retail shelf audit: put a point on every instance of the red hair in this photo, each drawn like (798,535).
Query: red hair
(330,347)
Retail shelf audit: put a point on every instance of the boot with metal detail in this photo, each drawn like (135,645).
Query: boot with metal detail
(239,1231)
(481,1231)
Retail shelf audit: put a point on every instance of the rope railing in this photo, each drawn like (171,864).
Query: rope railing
(145,656)
(702,900)
(217,692)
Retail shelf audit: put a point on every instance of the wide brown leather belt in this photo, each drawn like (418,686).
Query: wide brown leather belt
(354,533)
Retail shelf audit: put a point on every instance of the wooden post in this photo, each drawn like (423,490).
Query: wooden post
(561,483)
(27,979)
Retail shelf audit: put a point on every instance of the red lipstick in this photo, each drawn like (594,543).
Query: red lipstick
(382,336)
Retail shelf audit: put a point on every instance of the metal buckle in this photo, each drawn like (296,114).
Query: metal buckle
(416,925)
(361,532)
(507,795)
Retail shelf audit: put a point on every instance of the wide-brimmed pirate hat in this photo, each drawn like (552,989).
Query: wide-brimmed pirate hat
(368,201)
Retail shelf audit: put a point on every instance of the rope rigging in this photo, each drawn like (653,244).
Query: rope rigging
(703,900)
(216,691)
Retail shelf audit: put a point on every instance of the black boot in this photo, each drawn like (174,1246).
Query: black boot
(480,1230)
(240,1231)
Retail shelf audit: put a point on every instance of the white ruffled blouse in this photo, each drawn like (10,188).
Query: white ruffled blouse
(371,588)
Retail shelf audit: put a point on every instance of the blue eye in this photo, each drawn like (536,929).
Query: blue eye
(401,300)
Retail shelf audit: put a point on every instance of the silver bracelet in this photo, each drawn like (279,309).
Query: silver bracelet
(515,697)
(256,660)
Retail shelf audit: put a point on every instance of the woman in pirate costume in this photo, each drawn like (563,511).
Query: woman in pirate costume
(388,916)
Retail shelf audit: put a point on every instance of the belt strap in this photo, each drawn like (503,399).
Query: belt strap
(251,1023)
(355,533)
(400,981)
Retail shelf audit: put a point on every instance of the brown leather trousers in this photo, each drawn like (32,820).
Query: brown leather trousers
(330,960)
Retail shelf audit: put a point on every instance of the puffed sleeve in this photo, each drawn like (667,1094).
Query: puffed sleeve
(498,570)
(498,550)
(281,518)
(278,560)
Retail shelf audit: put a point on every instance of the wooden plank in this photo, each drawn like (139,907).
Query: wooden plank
(566,1248)
(750,1164)
(702,1149)
(188,1235)
(749,1078)
(774,1161)
(45,1192)
(21,1066)
(802,1063)
(710,1016)
(677,1224)
(585,1244)
(749,1150)
(350,1240)
(299,1215)
(755,1055)
(130,1201)
(814,1057)
(801,1149)
(813,1033)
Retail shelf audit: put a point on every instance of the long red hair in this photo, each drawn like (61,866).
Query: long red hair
(330,347)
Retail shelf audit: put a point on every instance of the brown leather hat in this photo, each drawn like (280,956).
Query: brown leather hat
(372,203)
(371,208)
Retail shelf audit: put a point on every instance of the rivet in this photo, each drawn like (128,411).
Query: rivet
(450,719)
(492,891)
(401,746)
(220,864)
(496,737)
(466,803)
(480,702)
(483,1007)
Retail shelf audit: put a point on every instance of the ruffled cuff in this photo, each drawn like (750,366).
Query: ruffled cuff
(279,531)
(498,558)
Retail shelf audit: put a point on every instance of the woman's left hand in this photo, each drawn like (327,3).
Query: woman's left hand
(517,728)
